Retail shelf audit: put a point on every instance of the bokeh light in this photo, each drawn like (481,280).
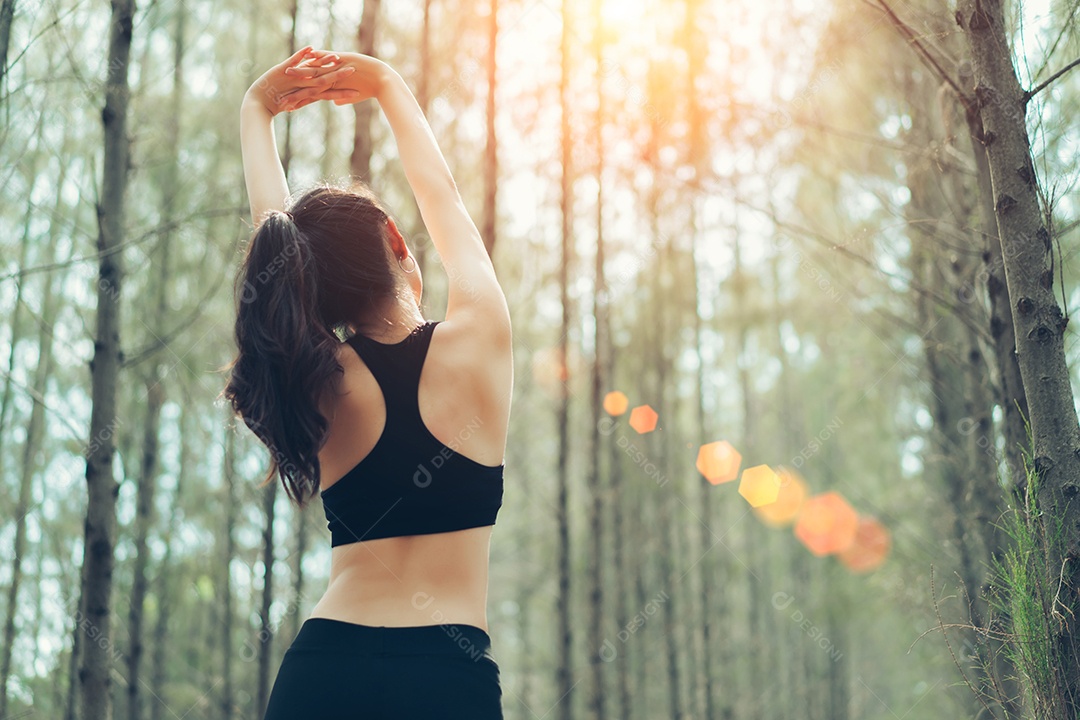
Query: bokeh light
(643,419)
(616,403)
(719,462)
(871,547)
(827,524)
(760,485)
(789,500)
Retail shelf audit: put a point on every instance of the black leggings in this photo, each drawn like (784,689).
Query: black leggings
(336,670)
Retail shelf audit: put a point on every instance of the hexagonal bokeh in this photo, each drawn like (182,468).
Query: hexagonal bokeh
(871,547)
(760,485)
(719,462)
(615,403)
(643,419)
(827,524)
(789,500)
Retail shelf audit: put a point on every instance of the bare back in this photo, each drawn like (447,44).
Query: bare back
(464,396)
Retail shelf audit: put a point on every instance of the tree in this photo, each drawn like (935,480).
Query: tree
(360,160)
(564,632)
(491,149)
(598,489)
(7,16)
(31,448)
(102,488)
(1027,251)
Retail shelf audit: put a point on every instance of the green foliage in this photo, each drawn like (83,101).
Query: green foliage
(1024,599)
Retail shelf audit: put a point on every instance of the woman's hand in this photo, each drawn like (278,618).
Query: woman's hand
(306,77)
(366,77)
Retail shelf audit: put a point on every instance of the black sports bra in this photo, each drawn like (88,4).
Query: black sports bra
(410,483)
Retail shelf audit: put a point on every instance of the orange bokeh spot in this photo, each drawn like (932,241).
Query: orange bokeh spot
(760,485)
(718,462)
(789,500)
(827,524)
(615,403)
(871,547)
(643,419)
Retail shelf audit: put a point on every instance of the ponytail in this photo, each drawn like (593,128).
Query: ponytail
(287,355)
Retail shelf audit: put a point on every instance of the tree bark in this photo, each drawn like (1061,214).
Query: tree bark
(7,16)
(660,302)
(1012,398)
(144,520)
(287,152)
(155,391)
(5,406)
(962,402)
(102,488)
(16,326)
(298,571)
(360,161)
(753,694)
(165,588)
(491,158)
(229,472)
(595,480)
(1027,251)
(564,630)
(266,628)
(31,449)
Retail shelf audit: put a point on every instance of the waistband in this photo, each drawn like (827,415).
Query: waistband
(458,639)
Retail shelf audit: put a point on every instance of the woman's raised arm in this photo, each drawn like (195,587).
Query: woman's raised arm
(274,92)
(474,293)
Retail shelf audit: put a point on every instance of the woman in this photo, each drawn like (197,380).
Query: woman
(400,429)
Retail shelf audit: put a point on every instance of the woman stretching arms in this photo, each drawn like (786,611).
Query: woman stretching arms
(401,428)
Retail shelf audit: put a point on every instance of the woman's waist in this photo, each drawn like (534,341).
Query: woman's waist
(405,606)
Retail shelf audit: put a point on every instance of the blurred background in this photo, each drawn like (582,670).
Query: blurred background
(762,442)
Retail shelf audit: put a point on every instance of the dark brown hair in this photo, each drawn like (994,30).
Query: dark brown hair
(309,269)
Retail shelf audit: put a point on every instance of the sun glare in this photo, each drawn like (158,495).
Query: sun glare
(622,13)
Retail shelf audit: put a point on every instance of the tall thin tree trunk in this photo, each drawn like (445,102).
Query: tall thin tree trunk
(144,520)
(165,588)
(31,448)
(524,690)
(298,571)
(621,582)
(1012,398)
(5,406)
(423,99)
(102,488)
(7,16)
(71,710)
(594,478)
(958,393)
(16,318)
(712,595)
(266,628)
(491,157)
(360,160)
(229,473)
(1027,251)
(286,153)
(327,160)
(155,391)
(564,637)
(660,302)
(755,690)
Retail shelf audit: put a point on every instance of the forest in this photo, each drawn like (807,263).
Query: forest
(794,433)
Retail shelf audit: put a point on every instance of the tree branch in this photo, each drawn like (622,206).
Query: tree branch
(1043,85)
(922,51)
